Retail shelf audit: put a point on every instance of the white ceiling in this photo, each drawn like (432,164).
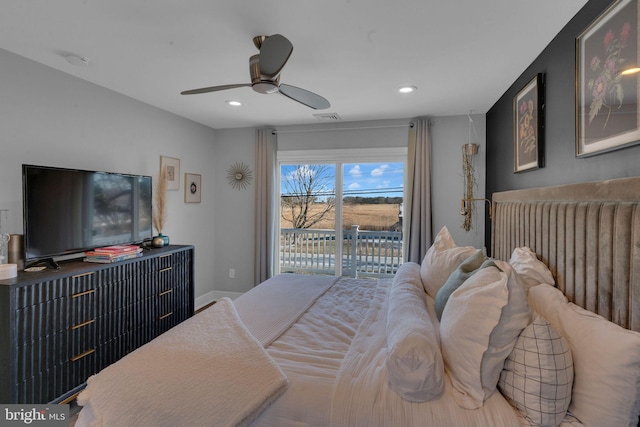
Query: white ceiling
(462,55)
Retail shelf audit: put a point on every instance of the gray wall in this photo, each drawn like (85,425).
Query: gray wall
(51,118)
(233,211)
(449,134)
(557,61)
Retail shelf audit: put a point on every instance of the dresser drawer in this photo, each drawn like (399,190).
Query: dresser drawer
(62,326)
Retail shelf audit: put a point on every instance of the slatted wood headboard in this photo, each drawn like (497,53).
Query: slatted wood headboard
(589,236)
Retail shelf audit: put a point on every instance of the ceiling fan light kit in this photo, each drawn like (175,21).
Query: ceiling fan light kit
(264,70)
(259,82)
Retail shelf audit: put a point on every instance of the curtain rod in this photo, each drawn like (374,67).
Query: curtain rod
(410,125)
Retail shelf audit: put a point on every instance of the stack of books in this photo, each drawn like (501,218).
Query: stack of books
(109,254)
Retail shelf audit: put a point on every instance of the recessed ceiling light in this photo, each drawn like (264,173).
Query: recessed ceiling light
(234,103)
(407,89)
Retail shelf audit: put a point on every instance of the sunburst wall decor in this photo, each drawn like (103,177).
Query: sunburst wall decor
(239,176)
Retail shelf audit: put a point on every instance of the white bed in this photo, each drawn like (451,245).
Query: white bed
(326,351)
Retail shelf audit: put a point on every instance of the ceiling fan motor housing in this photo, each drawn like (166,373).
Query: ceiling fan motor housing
(260,83)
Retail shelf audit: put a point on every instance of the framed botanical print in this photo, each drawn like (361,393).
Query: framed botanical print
(608,81)
(528,125)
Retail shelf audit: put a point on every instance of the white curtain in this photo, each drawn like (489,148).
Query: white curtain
(265,228)
(418,213)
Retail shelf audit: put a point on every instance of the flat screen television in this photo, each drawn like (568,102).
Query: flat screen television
(69,211)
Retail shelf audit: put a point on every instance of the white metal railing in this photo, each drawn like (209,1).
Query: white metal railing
(364,253)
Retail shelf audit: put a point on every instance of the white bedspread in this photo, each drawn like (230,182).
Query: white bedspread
(311,351)
(362,396)
(207,371)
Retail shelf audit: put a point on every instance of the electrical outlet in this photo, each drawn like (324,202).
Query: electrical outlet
(232,273)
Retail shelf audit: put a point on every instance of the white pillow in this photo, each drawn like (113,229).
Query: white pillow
(479,327)
(532,271)
(606,360)
(538,375)
(442,258)
(414,361)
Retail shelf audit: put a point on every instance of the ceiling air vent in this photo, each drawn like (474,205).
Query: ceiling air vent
(328,117)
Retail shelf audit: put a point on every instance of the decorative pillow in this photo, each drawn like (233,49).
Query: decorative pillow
(414,361)
(440,260)
(479,327)
(538,375)
(532,271)
(455,280)
(606,360)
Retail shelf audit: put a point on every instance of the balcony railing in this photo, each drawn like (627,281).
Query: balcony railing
(364,253)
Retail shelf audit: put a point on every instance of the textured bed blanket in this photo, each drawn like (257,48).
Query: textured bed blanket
(362,397)
(207,371)
(277,303)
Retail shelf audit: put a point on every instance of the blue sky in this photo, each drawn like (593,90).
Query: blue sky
(373,179)
(367,179)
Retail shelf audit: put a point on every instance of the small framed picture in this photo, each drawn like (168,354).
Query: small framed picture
(608,81)
(192,190)
(528,125)
(172,167)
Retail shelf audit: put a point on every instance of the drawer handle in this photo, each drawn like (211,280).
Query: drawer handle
(166,315)
(166,292)
(80,325)
(166,269)
(81,294)
(82,275)
(81,355)
(70,398)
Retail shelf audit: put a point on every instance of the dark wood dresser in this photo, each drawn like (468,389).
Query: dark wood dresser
(58,327)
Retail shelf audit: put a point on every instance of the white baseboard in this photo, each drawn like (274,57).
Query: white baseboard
(212,296)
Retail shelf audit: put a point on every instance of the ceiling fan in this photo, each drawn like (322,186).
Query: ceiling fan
(264,69)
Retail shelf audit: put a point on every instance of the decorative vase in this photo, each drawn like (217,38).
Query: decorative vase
(164,238)
(160,240)
(157,242)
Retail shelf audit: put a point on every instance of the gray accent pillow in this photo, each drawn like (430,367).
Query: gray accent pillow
(457,278)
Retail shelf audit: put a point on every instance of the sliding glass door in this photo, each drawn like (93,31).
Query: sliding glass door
(372,203)
(340,216)
(308,218)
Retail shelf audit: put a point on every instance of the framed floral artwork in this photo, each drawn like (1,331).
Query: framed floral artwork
(528,125)
(608,82)
(172,167)
(192,190)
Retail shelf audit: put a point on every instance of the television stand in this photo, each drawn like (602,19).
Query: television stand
(52,263)
(49,261)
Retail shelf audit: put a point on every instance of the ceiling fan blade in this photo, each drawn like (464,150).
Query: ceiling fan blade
(213,89)
(274,53)
(305,97)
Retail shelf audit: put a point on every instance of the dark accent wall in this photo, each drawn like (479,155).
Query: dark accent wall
(561,165)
